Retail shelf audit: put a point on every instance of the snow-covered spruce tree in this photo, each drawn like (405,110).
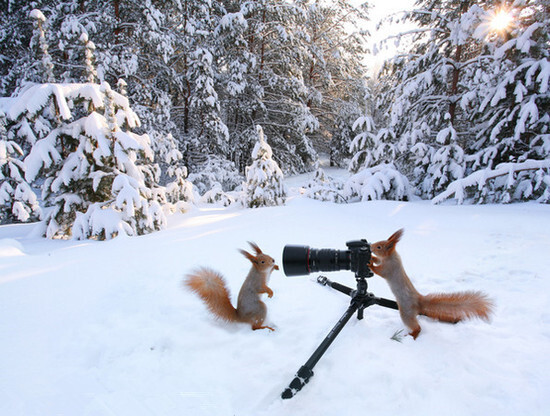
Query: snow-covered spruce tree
(97,173)
(18,202)
(372,145)
(179,191)
(138,41)
(262,53)
(510,160)
(324,188)
(343,134)
(264,180)
(363,145)
(206,128)
(333,45)
(216,172)
(210,131)
(39,20)
(428,114)
(374,173)
(382,181)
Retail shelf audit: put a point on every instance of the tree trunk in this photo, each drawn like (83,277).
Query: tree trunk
(456,70)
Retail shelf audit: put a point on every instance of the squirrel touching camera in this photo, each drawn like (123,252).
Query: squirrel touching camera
(445,307)
(384,261)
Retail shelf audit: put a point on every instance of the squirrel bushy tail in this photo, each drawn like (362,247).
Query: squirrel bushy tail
(446,307)
(211,288)
(455,307)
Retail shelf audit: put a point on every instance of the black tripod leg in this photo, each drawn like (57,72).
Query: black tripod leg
(387,303)
(306,371)
(322,280)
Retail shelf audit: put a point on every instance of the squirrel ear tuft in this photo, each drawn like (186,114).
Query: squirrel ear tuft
(255,247)
(249,256)
(394,238)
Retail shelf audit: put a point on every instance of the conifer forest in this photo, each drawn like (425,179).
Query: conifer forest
(113,114)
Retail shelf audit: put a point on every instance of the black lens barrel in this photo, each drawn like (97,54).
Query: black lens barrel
(303,260)
(328,260)
(296,260)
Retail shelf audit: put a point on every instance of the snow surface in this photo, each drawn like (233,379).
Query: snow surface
(106,328)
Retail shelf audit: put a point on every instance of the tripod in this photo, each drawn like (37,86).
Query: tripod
(360,299)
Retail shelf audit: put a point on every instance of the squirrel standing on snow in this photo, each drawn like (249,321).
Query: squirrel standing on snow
(211,287)
(446,307)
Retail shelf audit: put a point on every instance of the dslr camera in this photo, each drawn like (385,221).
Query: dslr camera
(303,260)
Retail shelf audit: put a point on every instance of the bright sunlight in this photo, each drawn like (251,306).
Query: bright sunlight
(501,20)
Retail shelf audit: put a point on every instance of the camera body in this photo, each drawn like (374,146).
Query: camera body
(303,260)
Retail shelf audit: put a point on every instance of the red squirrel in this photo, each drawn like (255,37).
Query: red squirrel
(211,287)
(445,307)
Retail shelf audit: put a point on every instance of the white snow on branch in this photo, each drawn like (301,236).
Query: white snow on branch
(479,178)
(36,96)
(379,182)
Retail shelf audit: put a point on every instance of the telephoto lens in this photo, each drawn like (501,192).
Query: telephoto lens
(303,260)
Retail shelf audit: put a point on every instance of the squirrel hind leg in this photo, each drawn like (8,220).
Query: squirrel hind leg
(256,326)
(412,323)
(414,333)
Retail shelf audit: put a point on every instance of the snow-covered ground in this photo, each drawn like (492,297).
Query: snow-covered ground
(106,328)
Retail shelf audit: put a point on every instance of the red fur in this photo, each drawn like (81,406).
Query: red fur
(211,288)
(451,307)
(456,307)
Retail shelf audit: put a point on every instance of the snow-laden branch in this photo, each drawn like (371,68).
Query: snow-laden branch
(480,177)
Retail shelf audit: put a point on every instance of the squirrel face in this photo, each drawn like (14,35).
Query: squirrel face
(386,247)
(260,261)
(263,262)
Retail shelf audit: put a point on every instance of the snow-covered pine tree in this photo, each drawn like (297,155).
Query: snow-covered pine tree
(16,34)
(446,162)
(89,48)
(18,202)
(18,134)
(139,41)
(513,141)
(39,19)
(179,191)
(333,44)
(216,170)
(133,40)
(343,134)
(240,93)
(262,53)
(372,145)
(208,130)
(374,173)
(430,84)
(382,181)
(264,184)
(363,145)
(211,132)
(96,171)
(324,188)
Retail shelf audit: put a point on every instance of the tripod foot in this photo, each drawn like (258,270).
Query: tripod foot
(322,280)
(301,379)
